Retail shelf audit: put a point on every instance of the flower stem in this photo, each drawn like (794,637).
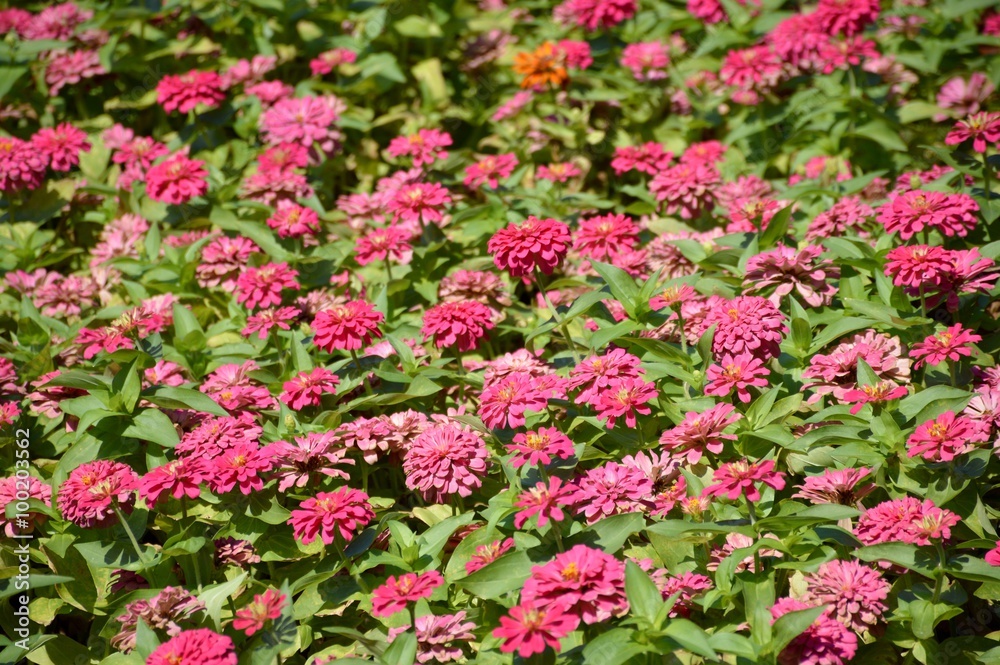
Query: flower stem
(364,375)
(461,376)
(135,543)
(559,321)
(986,183)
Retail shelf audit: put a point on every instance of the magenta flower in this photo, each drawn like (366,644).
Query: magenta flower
(179,479)
(294,221)
(349,326)
(905,520)
(538,447)
(854,593)
(460,324)
(649,158)
(981,128)
(381,244)
(686,189)
(993,556)
(945,437)
(425,147)
(880,393)
(825,642)
(241,466)
(265,320)
(306,121)
(487,554)
(345,511)
(746,324)
(200,646)
(605,236)
(612,489)
(308,388)
(262,287)
(394,595)
(736,478)
(912,212)
(596,373)
(176,180)
(489,170)
(504,401)
(736,373)
(584,581)
(446,459)
(625,397)
(185,92)
(951,344)
(529,629)
(537,243)
(62,145)
(546,499)
(647,60)
(22,165)
(88,497)
(699,433)
(263,608)
(13,489)
(420,202)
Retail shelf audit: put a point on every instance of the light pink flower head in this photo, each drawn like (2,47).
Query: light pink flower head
(446,459)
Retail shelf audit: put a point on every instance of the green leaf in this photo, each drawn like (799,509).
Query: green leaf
(8,586)
(691,637)
(507,573)
(417,26)
(153,425)
(402,651)
(611,648)
(170,397)
(971,568)
(866,375)
(216,596)
(939,398)
(776,228)
(644,599)
(791,625)
(432,541)
(911,557)
(611,533)
(622,286)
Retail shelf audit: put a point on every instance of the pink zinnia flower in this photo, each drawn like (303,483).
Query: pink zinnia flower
(394,595)
(747,324)
(262,287)
(537,243)
(176,180)
(537,447)
(70,67)
(686,189)
(185,92)
(945,437)
(596,373)
(787,270)
(612,489)
(489,170)
(647,60)
(981,128)
(825,642)
(88,497)
(546,499)
(425,147)
(951,344)
(905,520)
(217,434)
(585,581)
(736,372)
(222,261)
(296,465)
(264,607)
(740,478)
(436,635)
(505,399)
(446,459)
(649,158)
(308,388)
(754,68)
(294,221)
(263,321)
(343,511)
(751,214)
(604,236)
(487,554)
(350,326)
(847,17)
(625,397)
(306,121)
(22,165)
(13,489)
(62,145)
(381,244)
(242,465)
(847,214)
(993,556)
(853,591)
(179,479)
(916,266)
(963,97)
(558,171)
(912,212)
(460,324)
(881,392)
(700,432)
(841,486)
(528,628)
(200,646)
(594,14)
(327,61)
(421,202)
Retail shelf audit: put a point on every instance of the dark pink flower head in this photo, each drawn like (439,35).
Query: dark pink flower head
(825,642)
(422,202)
(243,466)
(185,92)
(627,397)
(349,326)
(951,345)
(396,593)
(854,593)
(605,236)
(964,98)
(595,14)
(879,393)
(446,459)
(756,69)
(537,243)
(587,582)
(13,489)
(179,479)
(425,147)
(736,373)
(343,512)
(307,388)
(327,61)
(459,323)
(545,499)
(734,479)
(915,266)
(264,607)
(847,17)
(487,554)
(746,324)
(264,321)
(505,399)
(262,287)
(686,189)
(980,128)
(88,497)
(200,646)
(945,437)
(596,373)
(699,433)
(62,145)
(848,214)
(382,244)
(489,170)
(786,270)
(291,220)
(558,171)
(70,67)
(308,121)
(217,434)
(905,520)
(177,180)
(649,158)
(538,447)
(751,214)
(22,165)
(912,212)
(612,489)
(530,628)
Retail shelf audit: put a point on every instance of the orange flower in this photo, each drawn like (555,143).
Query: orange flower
(541,67)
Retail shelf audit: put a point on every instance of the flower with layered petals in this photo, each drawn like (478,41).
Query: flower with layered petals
(912,212)
(546,499)
(489,170)
(19,488)
(736,373)
(537,243)
(879,393)
(853,591)
(185,92)
(176,180)
(981,129)
(265,607)
(701,432)
(349,326)
(422,202)
(343,512)
(843,486)
(734,479)
(307,388)
(529,629)
(179,479)
(825,642)
(446,459)
(625,397)
(425,147)
(538,447)
(62,145)
(200,646)
(397,592)
(262,287)
(89,496)
(22,165)
(906,520)
(587,582)
(460,324)
(945,437)
(951,345)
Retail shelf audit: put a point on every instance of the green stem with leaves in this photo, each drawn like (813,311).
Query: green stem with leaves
(563,328)
(364,375)
(135,542)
